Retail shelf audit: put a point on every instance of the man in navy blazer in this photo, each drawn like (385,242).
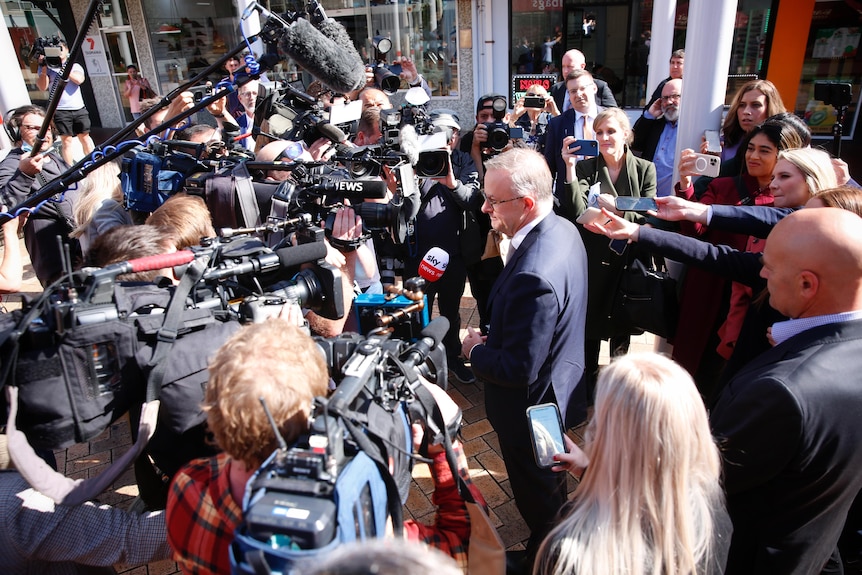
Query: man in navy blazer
(582,91)
(534,350)
(788,422)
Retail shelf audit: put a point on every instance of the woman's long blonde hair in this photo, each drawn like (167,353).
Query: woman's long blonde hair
(647,501)
(101,184)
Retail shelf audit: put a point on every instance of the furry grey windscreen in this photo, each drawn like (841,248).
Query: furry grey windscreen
(328,54)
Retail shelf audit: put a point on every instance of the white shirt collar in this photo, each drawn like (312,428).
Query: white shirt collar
(525,229)
(784,330)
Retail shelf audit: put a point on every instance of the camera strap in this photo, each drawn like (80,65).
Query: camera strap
(245,196)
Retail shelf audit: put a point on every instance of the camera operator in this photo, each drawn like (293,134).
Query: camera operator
(276,362)
(71,118)
(442,222)
(132,90)
(21,175)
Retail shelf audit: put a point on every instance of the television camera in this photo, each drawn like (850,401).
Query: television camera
(50,48)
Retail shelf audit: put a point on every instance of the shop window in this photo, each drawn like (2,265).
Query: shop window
(832,54)
(25,24)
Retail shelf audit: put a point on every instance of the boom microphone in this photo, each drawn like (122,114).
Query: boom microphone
(333,60)
(434,264)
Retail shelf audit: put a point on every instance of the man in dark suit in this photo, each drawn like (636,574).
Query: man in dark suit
(577,121)
(575,60)
(788,422)
(534,350)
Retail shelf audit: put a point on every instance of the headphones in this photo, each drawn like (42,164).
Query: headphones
(12,125)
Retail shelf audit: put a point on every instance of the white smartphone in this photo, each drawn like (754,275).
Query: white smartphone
(589,216)
(546,432)
(707,165)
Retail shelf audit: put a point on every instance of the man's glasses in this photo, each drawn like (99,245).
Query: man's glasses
(495,203)
(31,128)
(671,98)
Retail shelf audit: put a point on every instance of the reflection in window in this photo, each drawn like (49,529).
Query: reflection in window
(423,30)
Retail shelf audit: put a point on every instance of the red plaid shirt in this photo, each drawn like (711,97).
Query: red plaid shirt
(202,515)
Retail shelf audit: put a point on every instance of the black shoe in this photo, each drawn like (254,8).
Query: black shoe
(461,372)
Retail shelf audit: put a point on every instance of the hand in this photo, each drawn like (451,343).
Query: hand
(769,336)
(480,136)
(31,165)
(347,225)
(551,106)
(674,209)
(842,171)
(574,460)
(408,70)
(449,181)
(517,111)
(686,167)
(615,227)
(292,314)
(369,76)
(473,339)
(321,149)
(608,202)
(217,107)
(704,145)
(182,102)
(655,109)
(570,155)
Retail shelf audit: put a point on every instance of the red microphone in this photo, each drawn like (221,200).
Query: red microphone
(243,136)
(434,264)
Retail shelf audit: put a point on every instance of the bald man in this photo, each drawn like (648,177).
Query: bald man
(788,422)
(575,60)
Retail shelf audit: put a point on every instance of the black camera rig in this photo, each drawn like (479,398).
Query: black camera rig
(49,47)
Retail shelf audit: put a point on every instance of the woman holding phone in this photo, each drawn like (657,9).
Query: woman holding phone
(649,498)
(595,182)
(704,296)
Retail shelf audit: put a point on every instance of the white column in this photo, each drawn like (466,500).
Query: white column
(13,90)
(709,40)
(661,42)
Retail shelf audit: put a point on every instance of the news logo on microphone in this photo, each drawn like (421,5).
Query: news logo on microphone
(434,264)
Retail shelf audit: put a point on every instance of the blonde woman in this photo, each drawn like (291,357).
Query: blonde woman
(649,501)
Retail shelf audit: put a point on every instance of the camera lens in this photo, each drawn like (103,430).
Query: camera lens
(498,136)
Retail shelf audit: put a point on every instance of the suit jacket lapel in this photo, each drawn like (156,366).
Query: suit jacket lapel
(519,253)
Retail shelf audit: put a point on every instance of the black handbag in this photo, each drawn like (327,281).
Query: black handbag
(647,298)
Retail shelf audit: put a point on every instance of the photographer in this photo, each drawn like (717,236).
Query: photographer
(72,118)
(135,89)
(21,175)
(444,221)
(277,362)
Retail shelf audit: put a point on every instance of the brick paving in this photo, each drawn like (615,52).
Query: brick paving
(480,445)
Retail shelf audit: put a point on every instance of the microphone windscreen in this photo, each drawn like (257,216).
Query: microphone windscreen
(334,62)
(410,144)
(303,253)
(436,329)
(333,133)
(434,264)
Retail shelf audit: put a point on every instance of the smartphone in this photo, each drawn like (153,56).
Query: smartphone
(589,216)
(546,432)
(618,246)
(588,147)
(707,165)
(630,204)
(713,142)
(531,101)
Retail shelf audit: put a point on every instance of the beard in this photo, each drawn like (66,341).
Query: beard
(671,113)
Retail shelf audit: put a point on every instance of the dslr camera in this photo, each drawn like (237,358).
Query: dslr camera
(50,47)
(201,92)
(499,132)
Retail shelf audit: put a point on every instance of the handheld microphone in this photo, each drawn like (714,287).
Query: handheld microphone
(434,264)
(432,335)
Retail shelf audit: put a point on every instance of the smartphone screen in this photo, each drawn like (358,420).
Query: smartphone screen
(713,141)
(630,204)
(618,246)
(587,147)
(546,431)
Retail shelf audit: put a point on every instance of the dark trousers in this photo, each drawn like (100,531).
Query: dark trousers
(448,291)
(619,345)
(539,493)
